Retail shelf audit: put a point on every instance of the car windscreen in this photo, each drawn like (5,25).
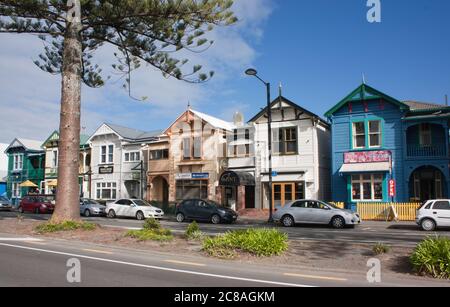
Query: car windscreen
(2,198)
(142,203)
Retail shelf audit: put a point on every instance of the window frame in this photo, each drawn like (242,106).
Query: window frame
(18,159)
(109,154)
(367,133)
(103,186)
(373,181)
(280,141)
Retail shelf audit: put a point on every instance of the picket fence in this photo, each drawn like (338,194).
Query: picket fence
(387,211)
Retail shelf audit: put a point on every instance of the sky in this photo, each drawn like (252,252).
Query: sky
(317,49)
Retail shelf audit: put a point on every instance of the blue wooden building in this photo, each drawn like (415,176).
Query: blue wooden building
(377,138)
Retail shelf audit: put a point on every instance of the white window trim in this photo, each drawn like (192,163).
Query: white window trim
(20,158)
(107,162)
(379,132)
(55,163)
(106,188)
(16,188)
(361,182)
(132,152)
(355,135)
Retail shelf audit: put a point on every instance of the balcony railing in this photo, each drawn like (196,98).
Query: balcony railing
(434,150)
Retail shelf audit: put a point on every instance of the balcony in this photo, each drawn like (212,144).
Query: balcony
(429,151)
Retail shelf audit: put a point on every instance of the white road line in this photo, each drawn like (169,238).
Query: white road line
(269,282)
(21,240)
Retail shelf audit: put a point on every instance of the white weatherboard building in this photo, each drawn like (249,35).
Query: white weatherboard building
(117,168)
(301,151)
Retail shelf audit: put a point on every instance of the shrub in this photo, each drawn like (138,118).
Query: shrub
(161,235)
(64,226)
(259,242)
(432,257)
(381,248)
(193,232)
(151,224)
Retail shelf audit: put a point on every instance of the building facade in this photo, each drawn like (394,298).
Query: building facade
(50,183)
(117,164)
(3,168)
(300,160)
(386,150)
(196,144)
(25,163)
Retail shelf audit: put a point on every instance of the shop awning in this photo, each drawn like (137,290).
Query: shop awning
(235,179)
(28,184)
(365,167)
(52,183)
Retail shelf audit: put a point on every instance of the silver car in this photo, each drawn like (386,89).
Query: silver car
(89,207)
(315,212)
(433,214)
(5,204)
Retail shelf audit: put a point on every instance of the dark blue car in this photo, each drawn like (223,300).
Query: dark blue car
(205,211)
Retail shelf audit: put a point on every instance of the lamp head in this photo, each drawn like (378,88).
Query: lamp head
(251,72)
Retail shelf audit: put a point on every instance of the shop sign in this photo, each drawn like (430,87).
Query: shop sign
(367,156)
(106,170)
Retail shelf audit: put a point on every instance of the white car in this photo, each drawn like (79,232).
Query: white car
(137,208)
(433,214)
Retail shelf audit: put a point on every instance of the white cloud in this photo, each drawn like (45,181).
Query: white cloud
(29,98)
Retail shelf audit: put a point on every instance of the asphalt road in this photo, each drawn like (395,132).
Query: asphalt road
(43,262)
(398,234)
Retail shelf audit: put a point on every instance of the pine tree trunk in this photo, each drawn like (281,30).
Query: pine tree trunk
(68,192)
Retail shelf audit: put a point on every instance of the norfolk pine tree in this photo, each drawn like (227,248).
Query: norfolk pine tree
(142,31)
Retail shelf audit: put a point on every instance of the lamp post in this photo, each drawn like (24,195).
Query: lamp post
(252,72)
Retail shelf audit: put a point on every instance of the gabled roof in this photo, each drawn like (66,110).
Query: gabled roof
(31,145)
(365,92)
(55,137)
(213,121)
(290,103)
(129,134)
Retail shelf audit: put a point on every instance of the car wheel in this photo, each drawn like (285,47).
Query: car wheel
(87,213)
(215,219)
(180,217)
(428,225)
(288,221)
(111,214)
(140,216)
(338,222)
(20,210)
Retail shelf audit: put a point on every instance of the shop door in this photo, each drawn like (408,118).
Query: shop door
(249,197)
(283,193)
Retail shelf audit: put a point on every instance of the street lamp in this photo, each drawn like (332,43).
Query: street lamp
(253,73)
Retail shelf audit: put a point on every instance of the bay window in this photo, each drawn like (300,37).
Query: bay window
(106,190)
(367,187)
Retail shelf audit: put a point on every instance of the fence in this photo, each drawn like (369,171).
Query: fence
(387,211)
(338,204)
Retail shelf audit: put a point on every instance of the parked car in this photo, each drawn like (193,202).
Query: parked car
(5,204)
(137,208)
(90,207)
(434,214)
(315,212)
(204,210)
(37,204)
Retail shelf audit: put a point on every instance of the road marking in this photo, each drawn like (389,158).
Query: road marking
(97,251)
(167,269)
(315,277)
(21,239)
(183,262)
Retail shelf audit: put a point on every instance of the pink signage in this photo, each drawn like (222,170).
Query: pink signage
(367,156)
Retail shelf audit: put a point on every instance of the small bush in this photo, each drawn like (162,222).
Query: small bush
(193,232)
(259,242)
(432,257)
(151,224)
(161,235)
(381,248)
(65,226)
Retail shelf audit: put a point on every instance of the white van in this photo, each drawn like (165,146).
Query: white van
(433,214)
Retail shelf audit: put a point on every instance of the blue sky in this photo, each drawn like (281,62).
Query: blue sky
(318,50)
